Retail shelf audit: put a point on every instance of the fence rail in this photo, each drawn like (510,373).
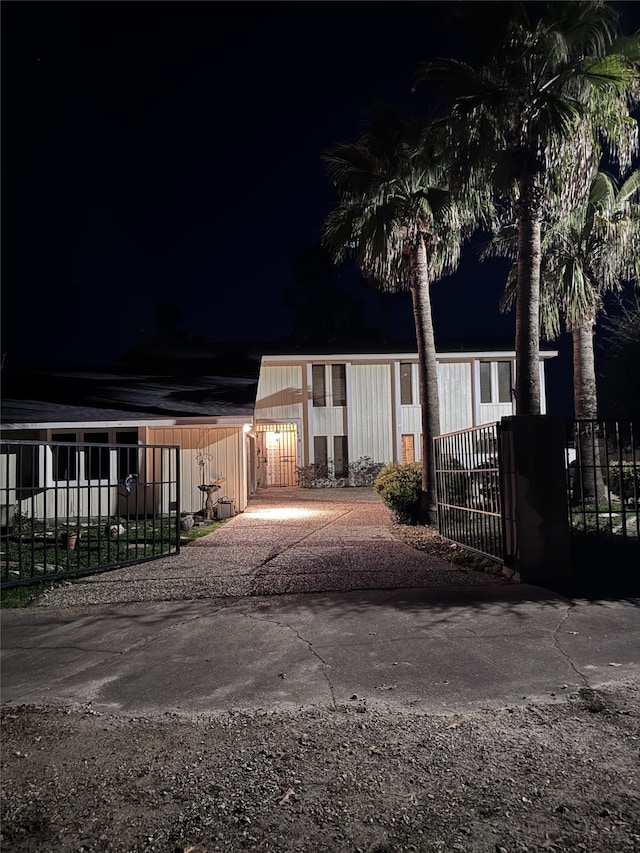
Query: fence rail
(73,508)
(468,489)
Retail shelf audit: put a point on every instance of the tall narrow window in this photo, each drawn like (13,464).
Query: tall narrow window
(320,456)
(340,456)
(408,449)
(485,382)
(96,465)
(504,382)
(406,385)
(65,459)
(339,384)
(319,387)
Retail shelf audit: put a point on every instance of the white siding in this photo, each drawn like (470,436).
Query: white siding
(370,412)
(454,390)
(280,395)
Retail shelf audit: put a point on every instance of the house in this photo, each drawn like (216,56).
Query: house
(312,408)
(123,413)
(248,420)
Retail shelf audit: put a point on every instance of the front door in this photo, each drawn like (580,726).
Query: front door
(277,454)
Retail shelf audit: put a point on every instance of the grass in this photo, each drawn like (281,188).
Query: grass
(31,552)
(23,596)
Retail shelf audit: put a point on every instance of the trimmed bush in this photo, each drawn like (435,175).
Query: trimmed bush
(624,480)
(399,487)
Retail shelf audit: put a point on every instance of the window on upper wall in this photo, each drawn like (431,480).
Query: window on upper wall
(406,384)
(329,384)
(340,456)
(339,384)
(495,381)
(505,382)
(319,385)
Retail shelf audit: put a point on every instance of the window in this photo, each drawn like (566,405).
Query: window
(340,456)
(504,382)
(408,449)
(406,384)
(339,384)
(495,382)
(65,459)
(322,390)
(485,382)
(319,387)
(96,464)
(97,461)
(320,456)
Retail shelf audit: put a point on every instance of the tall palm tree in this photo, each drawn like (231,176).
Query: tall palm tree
(592,250)
(533,121)
(395,216)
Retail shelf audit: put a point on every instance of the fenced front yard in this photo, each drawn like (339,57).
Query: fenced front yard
(477,504)
(70,508)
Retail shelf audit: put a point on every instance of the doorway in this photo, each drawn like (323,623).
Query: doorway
(277,451)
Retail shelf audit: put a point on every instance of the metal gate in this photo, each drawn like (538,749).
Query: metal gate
(468,489)
(72,508)
(277,454)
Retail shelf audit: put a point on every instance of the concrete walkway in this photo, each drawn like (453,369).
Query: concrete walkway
(432,638)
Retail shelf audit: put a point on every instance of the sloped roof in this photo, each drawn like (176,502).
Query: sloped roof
(198,388)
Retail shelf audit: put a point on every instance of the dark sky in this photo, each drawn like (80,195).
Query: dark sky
(171,151)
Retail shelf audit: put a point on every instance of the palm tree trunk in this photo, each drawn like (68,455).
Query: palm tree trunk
(588,485)
(427,378)
(529,217)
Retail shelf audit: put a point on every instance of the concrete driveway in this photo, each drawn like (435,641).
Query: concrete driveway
(432,638)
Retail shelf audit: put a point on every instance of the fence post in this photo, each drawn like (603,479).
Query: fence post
(537,535)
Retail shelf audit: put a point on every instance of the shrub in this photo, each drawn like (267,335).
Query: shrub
(364,471)
(318,476)
(399,487)
(624,480)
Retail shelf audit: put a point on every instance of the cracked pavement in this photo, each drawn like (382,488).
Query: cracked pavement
(433,650)
(379,625)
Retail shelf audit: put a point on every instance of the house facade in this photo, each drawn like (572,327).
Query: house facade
(338,408)
(242,430)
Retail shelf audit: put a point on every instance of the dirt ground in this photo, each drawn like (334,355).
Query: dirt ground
(552,777)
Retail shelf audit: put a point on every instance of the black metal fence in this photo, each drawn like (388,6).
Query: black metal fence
(73,508)
(604,477)
(469,491)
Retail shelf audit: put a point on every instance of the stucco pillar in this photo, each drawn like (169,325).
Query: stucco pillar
(537,535)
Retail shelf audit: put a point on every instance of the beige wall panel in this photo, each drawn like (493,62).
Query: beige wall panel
(454,389)
(207,453)
(280,393)
(371,421)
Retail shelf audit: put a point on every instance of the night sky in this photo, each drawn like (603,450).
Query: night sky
(171,151)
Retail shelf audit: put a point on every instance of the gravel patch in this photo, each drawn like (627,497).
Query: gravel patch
(542,777)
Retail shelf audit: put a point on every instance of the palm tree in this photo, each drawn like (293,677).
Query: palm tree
(533,121)
(593,250)
(395,216)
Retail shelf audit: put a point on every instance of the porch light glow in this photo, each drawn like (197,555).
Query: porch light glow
(281,513)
